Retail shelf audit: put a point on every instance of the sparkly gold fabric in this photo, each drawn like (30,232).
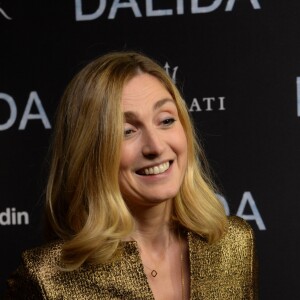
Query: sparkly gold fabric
(225,270)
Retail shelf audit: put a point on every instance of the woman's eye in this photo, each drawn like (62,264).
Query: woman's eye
(168,121)
(128,132)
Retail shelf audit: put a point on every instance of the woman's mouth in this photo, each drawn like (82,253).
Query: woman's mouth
(161,168)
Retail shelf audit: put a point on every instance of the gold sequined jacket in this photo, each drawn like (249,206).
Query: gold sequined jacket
(224,270)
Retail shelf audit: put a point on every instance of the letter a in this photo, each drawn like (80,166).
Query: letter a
(195,105)
(86,17)
(33,97)
(230,4)
(131,4)
(247,198)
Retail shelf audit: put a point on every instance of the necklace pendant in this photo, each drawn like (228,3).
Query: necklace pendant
(153,273)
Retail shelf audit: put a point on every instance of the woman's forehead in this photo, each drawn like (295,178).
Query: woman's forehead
(144,87)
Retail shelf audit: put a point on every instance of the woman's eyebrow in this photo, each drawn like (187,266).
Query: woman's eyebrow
(132,116)
(162,102)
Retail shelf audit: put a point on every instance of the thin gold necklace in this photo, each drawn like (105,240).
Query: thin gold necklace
(154,272)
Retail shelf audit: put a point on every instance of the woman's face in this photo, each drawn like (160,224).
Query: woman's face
(154,147)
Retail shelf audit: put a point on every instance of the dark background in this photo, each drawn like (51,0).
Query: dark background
(249,55)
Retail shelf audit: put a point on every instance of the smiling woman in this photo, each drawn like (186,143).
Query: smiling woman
(131,210)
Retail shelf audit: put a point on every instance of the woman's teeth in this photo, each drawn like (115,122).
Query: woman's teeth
(157,169)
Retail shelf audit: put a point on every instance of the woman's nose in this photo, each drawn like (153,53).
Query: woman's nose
(153,144)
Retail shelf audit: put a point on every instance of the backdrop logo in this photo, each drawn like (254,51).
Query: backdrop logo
(247,204)
(207,104)
(34,103)
(298,96)
(196,7)
(12,217)
(172,72)
(202,104)
(4,14)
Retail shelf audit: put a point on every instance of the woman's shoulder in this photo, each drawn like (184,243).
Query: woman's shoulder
(47,254)
(238,223)
(238,228)
(239,237)
(37,264)
(236,247)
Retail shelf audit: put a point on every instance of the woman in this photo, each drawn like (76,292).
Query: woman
(132,211)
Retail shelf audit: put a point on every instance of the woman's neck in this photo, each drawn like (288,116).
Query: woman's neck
(153,226)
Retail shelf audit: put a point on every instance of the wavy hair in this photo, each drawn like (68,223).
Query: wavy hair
(84,205)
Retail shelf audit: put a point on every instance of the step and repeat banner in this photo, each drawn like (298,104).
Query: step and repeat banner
(237,63)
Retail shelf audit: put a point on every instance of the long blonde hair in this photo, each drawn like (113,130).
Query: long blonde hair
(84,204)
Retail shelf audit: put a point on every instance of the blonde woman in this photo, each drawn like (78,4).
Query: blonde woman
(131,209)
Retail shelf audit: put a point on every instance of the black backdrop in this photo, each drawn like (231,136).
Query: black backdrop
(236,63)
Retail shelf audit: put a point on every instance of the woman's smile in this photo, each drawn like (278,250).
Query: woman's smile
(154,170)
